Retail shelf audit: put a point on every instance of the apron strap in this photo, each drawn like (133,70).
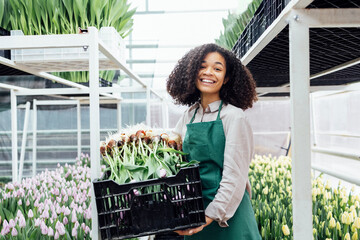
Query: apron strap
(193,117)
(217,118)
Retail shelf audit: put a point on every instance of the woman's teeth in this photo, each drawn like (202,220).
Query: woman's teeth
(207,81)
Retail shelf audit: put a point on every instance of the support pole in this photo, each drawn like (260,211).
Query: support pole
(300,128)
(78,108)
(14,135)
(23,142)
(94,122)
(34,137)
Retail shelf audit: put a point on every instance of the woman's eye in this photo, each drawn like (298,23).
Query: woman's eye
(217,69)
(202,67)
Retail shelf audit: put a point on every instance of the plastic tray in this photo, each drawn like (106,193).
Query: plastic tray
(67,59)
(125,212)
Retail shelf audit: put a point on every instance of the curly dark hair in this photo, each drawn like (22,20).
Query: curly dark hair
(238,91)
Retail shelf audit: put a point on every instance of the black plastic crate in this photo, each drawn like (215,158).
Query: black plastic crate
(125,211)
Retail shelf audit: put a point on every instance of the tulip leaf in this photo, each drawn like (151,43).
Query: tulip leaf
(171,150)
(2,215)
(8,214)
(133,167)
(35,234)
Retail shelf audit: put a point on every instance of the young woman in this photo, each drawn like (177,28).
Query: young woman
(216,132)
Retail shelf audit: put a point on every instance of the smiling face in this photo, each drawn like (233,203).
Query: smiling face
(211,76)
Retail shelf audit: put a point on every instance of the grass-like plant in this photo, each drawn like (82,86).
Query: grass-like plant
(235,24)
(35,17)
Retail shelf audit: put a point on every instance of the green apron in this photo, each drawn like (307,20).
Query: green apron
(205,142)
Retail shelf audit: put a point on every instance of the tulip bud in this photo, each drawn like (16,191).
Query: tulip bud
(329,215)
(266,190)
(162,173)
(14,232)
(357,222)
(74,232)
(332,223)
(347,236)
(50,232)
(355,236)
(338,226)
(327,232)
(285,230)
(22,222)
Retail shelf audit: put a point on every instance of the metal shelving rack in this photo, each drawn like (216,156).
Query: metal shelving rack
(97,94)
(277,51)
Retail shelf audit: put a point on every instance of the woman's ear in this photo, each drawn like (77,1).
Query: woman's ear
(226,80)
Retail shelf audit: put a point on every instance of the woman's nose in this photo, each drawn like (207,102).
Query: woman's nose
(208,71)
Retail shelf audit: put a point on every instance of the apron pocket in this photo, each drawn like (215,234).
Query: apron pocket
(208,171)
(199,152)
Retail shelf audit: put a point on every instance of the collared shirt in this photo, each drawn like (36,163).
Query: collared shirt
(239,148)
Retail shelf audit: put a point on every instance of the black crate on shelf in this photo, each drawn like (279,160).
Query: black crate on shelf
(133,210)
(4,53)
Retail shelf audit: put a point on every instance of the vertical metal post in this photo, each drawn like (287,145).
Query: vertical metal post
(313,125)
(34,137)
(78,129)
(14,135)
(300,129)
(94,121)
(23,142)
(148,107)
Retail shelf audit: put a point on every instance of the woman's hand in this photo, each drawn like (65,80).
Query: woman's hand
(191,231)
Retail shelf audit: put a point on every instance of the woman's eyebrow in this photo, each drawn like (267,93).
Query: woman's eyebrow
(215,62)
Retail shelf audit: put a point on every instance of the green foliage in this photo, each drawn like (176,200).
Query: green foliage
(235,24)
(36,17)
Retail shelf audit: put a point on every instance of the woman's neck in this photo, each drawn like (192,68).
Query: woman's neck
(206,100)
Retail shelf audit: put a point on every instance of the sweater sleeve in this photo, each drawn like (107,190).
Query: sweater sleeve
(238,153)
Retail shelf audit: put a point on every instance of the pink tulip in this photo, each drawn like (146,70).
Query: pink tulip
(14,232)
(19,202)
(74,232)
(50,232)
(73,217)
(56,236)
(22,222)
(9,186)
(46,214)
(87,229)
(162,173)
(65,220)
(11,223)
(6,228)
(67,211)
(60,228)
(63,192)
(30,214)
(44,228)
(27,202)
(37,222)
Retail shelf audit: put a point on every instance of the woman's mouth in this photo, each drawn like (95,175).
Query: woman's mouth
(209,81)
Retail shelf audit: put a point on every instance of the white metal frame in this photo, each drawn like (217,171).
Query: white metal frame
(299,21)
(94,45)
